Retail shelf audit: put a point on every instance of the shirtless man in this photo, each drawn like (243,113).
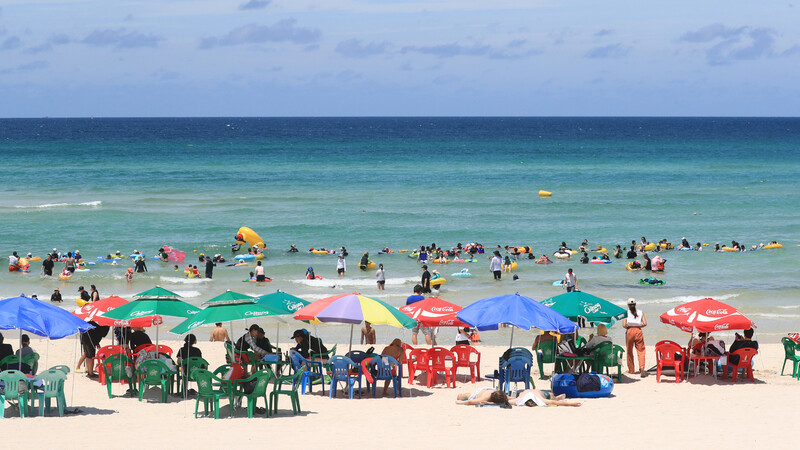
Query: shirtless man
(219,334)
(367,334)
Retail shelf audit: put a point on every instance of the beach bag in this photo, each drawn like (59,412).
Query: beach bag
(566,346)
(715,348)
(587,382)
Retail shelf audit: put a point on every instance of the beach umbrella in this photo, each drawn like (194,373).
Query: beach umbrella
(581,307)
(281,301)
(353,309)
(155,301)
(96,311)
(225,311)
(517,310)
(706,315)
(228,296)
(39,318)
(434,312)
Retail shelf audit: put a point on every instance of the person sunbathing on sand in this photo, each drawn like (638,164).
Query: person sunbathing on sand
(528,397)
(535,397)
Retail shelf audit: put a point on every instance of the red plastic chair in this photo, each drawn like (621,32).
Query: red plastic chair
(464,358)
(101,355)
(417,360)
(441,359)
(745,357)
(665,355)
(407,349)
(165,349)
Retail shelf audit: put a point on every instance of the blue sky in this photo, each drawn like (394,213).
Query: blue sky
(396,57)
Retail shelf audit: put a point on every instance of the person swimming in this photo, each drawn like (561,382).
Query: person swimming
(310,273)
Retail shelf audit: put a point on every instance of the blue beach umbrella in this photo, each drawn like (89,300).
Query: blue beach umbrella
(517,310)
(39,318)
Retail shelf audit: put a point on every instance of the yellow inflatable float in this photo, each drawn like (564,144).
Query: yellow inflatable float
(441,261)
(649,247)
(774,246)
(600,250)
(81,302)
(250,237)
(438,281)
(545,194)
(512,266)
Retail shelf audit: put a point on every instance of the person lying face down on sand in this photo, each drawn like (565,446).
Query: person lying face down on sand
(528,397)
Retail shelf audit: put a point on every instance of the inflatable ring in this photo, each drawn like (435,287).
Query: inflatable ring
(441,261)
(81,302)
(370,265)
(463,274)
(600,261)
(562,255)
(514,265)
(521,249)
(770,246)
(629,267)
(438,281)
(402,251)
(64,277)
(601,250)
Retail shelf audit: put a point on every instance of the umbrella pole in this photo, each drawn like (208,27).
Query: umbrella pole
(19,363)
(350,349)
(512,336)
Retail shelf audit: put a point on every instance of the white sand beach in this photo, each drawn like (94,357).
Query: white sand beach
(641,412)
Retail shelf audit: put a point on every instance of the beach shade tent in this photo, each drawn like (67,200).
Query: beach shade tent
(95,311)
(585,309)
(152,302)
(285,303)
(227,307)
(706,315)
(434,312)
(517,310)
(353,309)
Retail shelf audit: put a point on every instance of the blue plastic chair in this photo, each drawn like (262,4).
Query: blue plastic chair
(516,369)
(357,356)
(312,375)
(344,370)
(386,368)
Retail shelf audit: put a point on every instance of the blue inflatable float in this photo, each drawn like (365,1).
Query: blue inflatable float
(245,257)
(564,383)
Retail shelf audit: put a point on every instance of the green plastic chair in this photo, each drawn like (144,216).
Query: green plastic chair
(262,378)
(326,355)
(188,366)
(52,388)
(545,354)
(206,392)
(292,393)
(580,341)
(9,362)
(606,356)
(790,348)
(16,388)
(62,368)
(32,360)
(154,372)
(114,370)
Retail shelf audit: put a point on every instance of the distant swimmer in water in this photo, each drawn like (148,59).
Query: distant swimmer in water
(293,249)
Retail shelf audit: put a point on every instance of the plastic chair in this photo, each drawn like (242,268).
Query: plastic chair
(32,360)
(344,370)
(516,369)
(417,360)
(207,393)
(383,368)
(262,379)
(545,354)
(407,349)
(464,358)
(311,376)
(9,362)
(188,366)
(327,355)
(441,359)
(790,354)
(277,390)
(580,341)
(52,388)
(14,382)
(62,368)
(607,356)
(357,356)
(665,356)
(154,372)
(115,369)
(745,357)
(165,350)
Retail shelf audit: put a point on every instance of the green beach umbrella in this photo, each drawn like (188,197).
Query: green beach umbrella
(583,307)
(228,296)
(157,292)
(287,304)
(225,311)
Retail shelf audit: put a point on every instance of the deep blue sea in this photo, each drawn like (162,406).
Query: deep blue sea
(101,185)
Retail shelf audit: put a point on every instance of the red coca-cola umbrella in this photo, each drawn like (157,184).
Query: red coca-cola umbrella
(95,310)
(434,312)
(706,315)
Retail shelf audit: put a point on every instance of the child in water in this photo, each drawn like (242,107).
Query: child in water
(310,273)
(129,275)
(507,264)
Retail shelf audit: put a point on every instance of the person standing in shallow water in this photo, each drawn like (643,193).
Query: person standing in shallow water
(341,266)
(381,274)
(496,265)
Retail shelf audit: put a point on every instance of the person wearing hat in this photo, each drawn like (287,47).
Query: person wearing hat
(250,341)
(341,266)
(84,295)
(633,325)
(307,344)
(496,265)
(56,296)
(35,296)
(425,281)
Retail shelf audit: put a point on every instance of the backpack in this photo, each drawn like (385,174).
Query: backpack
(567,345)
(587,382)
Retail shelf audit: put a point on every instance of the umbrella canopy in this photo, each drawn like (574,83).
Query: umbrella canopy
(434,312)
(282,301)
(514,309)
(152,306)
(224,312)
(95,311)
(706,315)
(229,296)
(577,305)
(353,309)
(157,292)
(39,318)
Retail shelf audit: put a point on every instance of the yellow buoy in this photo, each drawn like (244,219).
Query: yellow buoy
(545,194)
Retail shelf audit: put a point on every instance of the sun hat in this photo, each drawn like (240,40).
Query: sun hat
(631,301)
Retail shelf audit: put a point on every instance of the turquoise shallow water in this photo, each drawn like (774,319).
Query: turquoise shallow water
(123,184)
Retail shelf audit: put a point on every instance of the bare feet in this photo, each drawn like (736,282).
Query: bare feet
(642,373)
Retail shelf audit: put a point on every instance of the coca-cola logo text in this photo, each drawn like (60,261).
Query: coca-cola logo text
(716,312)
